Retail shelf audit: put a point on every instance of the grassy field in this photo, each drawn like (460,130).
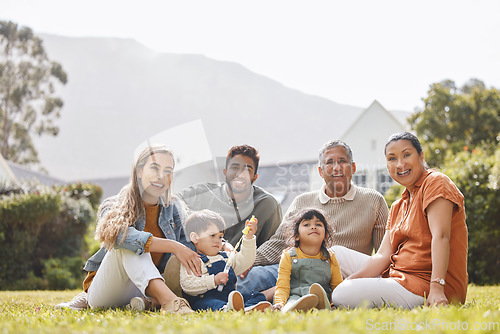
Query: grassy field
(33,312)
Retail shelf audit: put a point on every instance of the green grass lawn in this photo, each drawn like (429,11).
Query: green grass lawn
(33,312)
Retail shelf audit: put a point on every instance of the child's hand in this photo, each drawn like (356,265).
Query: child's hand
(227,247)
(221,278)
(276,307)
(251,226)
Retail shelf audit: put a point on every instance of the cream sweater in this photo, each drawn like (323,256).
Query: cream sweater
(240,261)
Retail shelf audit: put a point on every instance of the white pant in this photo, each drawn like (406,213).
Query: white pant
(121,276)
(368,292)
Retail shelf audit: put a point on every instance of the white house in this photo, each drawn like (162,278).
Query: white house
(6,174)
(366,136)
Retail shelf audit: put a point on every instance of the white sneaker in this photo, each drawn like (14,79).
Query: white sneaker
(79,302)
(260,306)
(235,301)
(323,301)
(140,304)
(304,303)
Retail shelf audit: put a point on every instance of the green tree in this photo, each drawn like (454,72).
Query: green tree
(27,85)
(460,132)
(476,175)
(457,119)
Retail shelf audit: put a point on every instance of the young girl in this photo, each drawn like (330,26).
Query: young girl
(308,272)
(139,229)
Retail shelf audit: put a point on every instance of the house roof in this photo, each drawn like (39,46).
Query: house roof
(24,173)
(398,116)
(5,171)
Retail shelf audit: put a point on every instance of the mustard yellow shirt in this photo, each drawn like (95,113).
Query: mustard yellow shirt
(282,292)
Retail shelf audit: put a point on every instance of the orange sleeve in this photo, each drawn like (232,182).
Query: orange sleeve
(336,278)
(282,292)
(148,244)
(88,280)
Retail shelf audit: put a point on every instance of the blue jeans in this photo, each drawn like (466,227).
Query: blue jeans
(213,303)
(258,279)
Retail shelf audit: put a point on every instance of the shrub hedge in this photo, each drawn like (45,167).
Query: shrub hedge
(42,233)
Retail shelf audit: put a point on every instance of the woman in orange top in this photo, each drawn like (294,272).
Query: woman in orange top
(423,256)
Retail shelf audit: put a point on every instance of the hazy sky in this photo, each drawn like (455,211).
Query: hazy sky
(351,52)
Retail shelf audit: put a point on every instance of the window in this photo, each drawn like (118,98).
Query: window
(359,178)
(384,181)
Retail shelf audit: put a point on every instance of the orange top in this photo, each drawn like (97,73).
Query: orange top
(152,213)
(411,263)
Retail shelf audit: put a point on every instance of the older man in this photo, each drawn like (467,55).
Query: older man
(358,216)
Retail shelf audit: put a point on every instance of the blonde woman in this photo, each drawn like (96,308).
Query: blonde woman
(139,229)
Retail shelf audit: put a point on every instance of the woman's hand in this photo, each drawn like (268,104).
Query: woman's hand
(190,259)
(221,278)
(436,296)
(378,262)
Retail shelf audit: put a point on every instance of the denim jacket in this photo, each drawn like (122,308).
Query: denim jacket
(169,221)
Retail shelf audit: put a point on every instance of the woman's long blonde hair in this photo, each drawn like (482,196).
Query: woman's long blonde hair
(121,212)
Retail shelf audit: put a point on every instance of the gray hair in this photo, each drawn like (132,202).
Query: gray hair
(331,144)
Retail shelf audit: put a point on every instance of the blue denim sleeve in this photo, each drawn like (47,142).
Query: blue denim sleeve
(135,240)
(95,261)
(179,218)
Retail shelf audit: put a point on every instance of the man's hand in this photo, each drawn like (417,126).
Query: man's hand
(244,274)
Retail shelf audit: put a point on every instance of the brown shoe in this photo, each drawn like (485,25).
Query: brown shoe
(178,306)
(235,301)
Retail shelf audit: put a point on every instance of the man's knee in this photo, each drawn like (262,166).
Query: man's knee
(258,279)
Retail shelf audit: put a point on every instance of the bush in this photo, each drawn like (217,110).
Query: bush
(31,282)
(63,236)
(476,175)
(22,217)
(65,273)
(91,192)
(42,233)
(393,194)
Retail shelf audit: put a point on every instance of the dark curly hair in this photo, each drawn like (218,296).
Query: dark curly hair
(307,214)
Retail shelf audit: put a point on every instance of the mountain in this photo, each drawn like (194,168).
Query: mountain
(120,93)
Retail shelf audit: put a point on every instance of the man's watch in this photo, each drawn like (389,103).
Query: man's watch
(439,281)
